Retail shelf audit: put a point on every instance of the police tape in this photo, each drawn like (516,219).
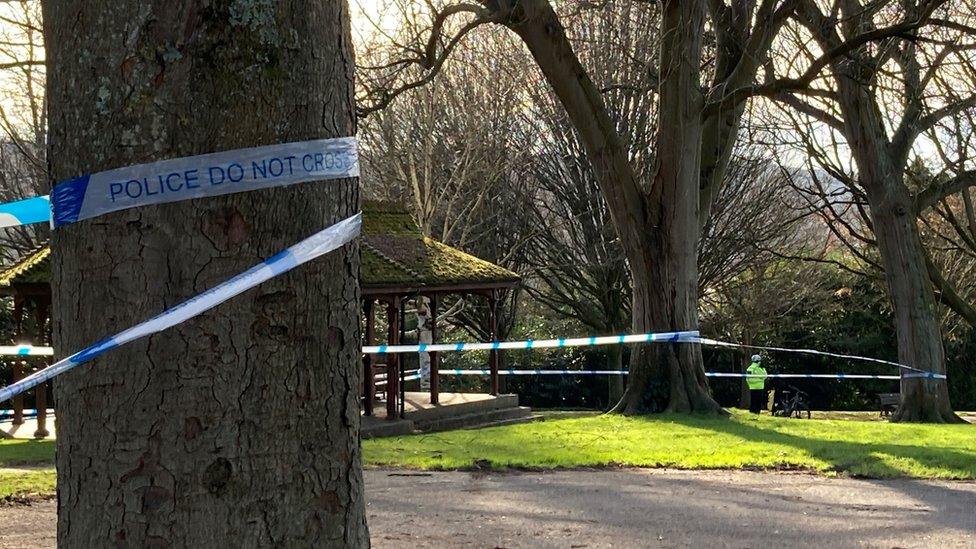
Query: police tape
(312,247)
(688,336)
(914,372)
(410,377)
(25,350)
(176,179)
(203,175)
(484,372)
(25,212)
(717,343)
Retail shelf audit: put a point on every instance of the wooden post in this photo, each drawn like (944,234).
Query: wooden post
(18,366)
(369,382)
(40,392)
(434,355)
(392,360)
(493,354)
(401,337)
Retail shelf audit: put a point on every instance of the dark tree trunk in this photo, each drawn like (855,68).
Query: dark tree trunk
(893,220)
(664,261)
(658,226)
(913,304)
(238,428)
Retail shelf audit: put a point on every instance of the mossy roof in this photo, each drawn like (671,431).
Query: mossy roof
(395,254)
(34,267)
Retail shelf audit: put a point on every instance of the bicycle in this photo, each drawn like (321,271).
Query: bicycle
(790,403)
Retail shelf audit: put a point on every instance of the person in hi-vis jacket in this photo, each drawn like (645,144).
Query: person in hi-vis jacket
(756,380)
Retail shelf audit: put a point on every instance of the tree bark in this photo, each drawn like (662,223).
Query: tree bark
(664,261)
(658,227)
(893,217)
(913,304)
(238,428)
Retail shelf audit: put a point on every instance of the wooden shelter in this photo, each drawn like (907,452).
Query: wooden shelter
(399,264)
(27,282)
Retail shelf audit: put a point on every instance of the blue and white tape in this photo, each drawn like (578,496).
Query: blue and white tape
(204,175)
(625,372)
(689,336)
(922,373)
(25,350)
(25,212)
(312,247)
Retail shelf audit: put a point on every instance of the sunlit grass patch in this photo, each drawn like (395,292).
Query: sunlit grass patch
(870,449)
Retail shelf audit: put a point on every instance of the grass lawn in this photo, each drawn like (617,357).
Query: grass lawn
(37,479)
(26,483)
(15,452)
(829,446)
(862,448)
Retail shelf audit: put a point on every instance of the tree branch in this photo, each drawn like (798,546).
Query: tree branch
(931,195)
(948,295)
(781,85)
(431,61)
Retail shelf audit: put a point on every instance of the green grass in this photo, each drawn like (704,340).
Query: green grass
(15,452)
(26,483)
(860,448)
(848,445)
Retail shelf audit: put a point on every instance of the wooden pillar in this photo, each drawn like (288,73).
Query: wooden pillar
(401,337)
(369,382)
(18,366)
(493,354)
(40,392)
(434,355)
(392,360)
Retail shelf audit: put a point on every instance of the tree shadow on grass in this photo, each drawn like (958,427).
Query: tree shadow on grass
(863,459)
(860,459)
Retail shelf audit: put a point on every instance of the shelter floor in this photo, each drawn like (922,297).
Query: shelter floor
(27,428)
(453,411)
(420,400)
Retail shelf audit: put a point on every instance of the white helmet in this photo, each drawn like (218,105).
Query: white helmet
(756,358)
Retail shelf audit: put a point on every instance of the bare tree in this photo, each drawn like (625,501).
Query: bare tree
(903,68)
(23,119)
(658,215)
(444,148)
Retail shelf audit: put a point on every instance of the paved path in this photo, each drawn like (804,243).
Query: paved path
(634,508)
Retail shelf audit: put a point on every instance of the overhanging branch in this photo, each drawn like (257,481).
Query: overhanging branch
(935,192)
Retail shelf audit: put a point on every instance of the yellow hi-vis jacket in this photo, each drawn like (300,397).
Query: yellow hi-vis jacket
(756,377)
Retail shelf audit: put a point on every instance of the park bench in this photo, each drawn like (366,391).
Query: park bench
(888,402)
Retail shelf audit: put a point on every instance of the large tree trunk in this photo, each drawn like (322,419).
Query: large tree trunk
(238,428)
(893,220)
(664,262)
(913,304)
(659,230)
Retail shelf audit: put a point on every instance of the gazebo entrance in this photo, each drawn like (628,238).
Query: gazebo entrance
(401,267)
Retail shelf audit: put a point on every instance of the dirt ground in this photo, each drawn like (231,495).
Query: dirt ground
(633,508)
